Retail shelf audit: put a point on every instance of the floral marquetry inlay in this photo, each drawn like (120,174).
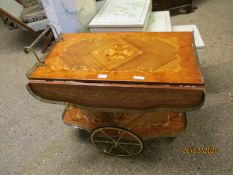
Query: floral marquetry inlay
(116,53)
(122,55)
(147,125)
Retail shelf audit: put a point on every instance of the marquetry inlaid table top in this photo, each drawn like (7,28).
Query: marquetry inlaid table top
(154,58)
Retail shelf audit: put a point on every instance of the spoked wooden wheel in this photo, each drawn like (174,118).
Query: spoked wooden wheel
(117,141)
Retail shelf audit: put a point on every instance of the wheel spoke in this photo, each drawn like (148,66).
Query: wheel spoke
(118,139)
(129,153)
(103,148)
(107,135)
(110,150)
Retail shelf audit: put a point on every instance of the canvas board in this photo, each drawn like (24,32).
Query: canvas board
(122,14)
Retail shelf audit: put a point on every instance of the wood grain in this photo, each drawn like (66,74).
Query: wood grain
(147,125)
(120,96)
(156,58)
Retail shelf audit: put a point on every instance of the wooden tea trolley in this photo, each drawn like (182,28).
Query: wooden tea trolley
(123,88)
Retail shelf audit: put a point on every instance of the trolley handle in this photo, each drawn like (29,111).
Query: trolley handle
(30,48)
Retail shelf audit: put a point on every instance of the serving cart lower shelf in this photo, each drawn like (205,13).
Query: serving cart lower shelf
(122,134)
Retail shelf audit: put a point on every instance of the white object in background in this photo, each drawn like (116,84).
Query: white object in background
(122,15)
(191,28)
(159,22)
(86,10)
(51,14)
(99,5)
(69,16)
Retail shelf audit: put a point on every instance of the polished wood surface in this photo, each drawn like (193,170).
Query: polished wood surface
(154,58)
(146,126)
(103,96)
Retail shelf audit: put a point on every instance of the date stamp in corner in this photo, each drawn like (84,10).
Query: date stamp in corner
(200,150)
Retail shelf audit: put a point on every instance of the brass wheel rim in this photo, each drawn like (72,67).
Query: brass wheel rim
(117,141)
